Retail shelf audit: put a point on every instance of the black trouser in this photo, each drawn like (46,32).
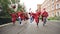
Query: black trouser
(44,21)
(20,22)
(38,22)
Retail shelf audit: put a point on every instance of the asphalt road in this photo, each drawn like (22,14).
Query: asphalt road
(51,27)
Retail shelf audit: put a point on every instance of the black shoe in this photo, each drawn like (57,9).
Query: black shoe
(37,24)
(20,22)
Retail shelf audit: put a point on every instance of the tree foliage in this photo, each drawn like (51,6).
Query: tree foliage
(4,4)
(5,7)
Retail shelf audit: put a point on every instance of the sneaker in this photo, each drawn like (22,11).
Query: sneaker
(37,24)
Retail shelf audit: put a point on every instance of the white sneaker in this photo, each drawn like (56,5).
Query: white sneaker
(21,24)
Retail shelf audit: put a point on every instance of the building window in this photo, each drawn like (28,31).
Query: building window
(53,14)
(52,7)
(52,1)
(58,13)
(57,6)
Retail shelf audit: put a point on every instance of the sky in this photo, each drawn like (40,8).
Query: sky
(31,4)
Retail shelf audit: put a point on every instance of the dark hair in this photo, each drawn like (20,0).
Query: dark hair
(29,13)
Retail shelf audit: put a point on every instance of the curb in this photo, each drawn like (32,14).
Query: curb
(5,24)
(10,23)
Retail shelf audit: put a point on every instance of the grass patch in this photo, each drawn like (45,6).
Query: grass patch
(54,18)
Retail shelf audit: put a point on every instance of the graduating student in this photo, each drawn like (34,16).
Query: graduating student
(44,16)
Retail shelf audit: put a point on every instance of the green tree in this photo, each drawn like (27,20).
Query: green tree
(5,7)
(4,4)
(20,7)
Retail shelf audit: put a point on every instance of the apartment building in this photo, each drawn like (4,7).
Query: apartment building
(39,6)
(52,7)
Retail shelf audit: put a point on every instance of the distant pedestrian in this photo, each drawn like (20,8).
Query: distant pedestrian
(13,16)
(19,16)
(31,17)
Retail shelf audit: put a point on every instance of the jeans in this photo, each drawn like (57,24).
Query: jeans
(19,20)
(31,19)
(44,20)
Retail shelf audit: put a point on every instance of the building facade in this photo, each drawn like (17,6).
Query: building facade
(52,7)
(39,6)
